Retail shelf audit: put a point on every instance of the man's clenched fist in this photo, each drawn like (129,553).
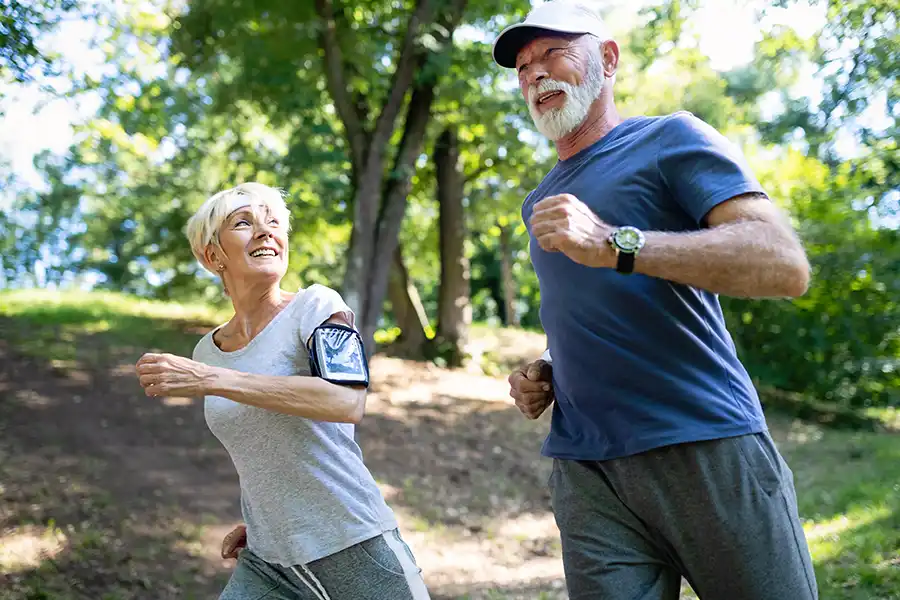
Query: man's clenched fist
(563,223)
(532,388)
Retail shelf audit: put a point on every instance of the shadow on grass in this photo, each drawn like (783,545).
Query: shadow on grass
(107,494)
(130,495)
(114,487)
(848,489)
(549,589)
(839,472)
(459,462)
(825,414)
(864,562)
(66,338)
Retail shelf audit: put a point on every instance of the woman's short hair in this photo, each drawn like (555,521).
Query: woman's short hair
(203,227)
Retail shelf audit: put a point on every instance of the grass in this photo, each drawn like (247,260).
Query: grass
(849,493)
(54,326)
(848,482)
(71,306)
(848,487)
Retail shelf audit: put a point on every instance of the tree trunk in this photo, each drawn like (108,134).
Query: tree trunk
(368,148)
(394,206)
(379,202)
(510,316)
(408,310)
(454,307)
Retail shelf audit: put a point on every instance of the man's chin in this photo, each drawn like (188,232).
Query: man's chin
(553,131)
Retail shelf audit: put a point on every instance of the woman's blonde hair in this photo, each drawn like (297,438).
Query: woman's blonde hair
(203,227)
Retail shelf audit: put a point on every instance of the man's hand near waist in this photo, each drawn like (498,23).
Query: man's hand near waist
(532,388)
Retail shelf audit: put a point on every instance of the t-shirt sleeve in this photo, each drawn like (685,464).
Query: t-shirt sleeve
(700,166)
(199,353)
(319,303)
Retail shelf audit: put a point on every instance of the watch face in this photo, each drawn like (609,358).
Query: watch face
(629,239)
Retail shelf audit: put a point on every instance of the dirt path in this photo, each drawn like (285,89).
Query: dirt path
(106,494)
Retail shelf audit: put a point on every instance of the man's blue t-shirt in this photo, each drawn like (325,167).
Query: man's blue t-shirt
(641,362)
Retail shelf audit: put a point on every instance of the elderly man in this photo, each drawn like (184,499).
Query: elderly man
(663,465)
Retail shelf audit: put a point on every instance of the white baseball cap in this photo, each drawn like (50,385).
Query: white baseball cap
(560,16)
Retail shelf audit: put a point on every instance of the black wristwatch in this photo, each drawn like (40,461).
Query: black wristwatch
(627,241)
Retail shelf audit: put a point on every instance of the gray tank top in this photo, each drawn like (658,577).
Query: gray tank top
(305,492)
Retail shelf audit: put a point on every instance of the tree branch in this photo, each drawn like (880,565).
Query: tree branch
(474,175)
(396,191)
(338,87)
(402,79)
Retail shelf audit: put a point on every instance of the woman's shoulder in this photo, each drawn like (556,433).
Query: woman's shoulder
(317,291)
(318,297)
(317,304)
(203,347)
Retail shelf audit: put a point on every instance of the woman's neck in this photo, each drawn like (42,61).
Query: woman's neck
(254,308)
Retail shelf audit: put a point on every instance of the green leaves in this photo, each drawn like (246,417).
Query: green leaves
(194,102)
(22,23)
(839,343)
(659,30)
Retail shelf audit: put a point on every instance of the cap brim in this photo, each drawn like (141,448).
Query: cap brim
(512,39)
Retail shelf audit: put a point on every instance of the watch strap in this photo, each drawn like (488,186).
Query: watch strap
(624,262)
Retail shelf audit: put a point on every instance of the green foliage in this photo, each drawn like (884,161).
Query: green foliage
(857,58)
(841,341)
(22,23)
(659,30)
(197,100)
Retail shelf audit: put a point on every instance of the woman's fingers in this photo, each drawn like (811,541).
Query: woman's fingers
(152,379)
(149,369)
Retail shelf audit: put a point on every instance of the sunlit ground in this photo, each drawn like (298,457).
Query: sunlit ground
(454,459)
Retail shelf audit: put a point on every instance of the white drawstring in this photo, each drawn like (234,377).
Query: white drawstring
(313,583)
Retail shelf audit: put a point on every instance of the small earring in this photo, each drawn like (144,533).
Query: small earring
(220,268)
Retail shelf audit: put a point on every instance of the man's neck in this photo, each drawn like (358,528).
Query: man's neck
(602,118)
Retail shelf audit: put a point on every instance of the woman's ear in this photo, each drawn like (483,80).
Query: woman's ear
(213,260)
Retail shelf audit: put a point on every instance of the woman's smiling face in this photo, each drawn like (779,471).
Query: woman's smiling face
(254,241)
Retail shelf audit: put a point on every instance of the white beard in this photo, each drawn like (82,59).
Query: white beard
(556,123)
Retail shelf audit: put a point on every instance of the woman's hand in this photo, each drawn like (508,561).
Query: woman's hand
(234,542)
(170,375)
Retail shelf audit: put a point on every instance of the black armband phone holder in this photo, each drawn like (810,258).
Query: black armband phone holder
(337,354)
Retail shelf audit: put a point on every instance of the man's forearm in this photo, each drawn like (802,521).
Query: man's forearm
(309,397)
(743,259)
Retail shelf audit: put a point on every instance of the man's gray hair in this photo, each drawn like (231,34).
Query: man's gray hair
(600,64)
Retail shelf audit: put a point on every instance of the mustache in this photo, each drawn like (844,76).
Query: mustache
(547,85)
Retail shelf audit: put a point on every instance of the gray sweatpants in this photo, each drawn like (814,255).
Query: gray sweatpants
(381,568)
(722,514)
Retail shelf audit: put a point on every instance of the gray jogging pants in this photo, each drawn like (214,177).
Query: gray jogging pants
(722,514)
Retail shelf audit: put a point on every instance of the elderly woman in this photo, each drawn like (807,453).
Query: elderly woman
(317,526)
